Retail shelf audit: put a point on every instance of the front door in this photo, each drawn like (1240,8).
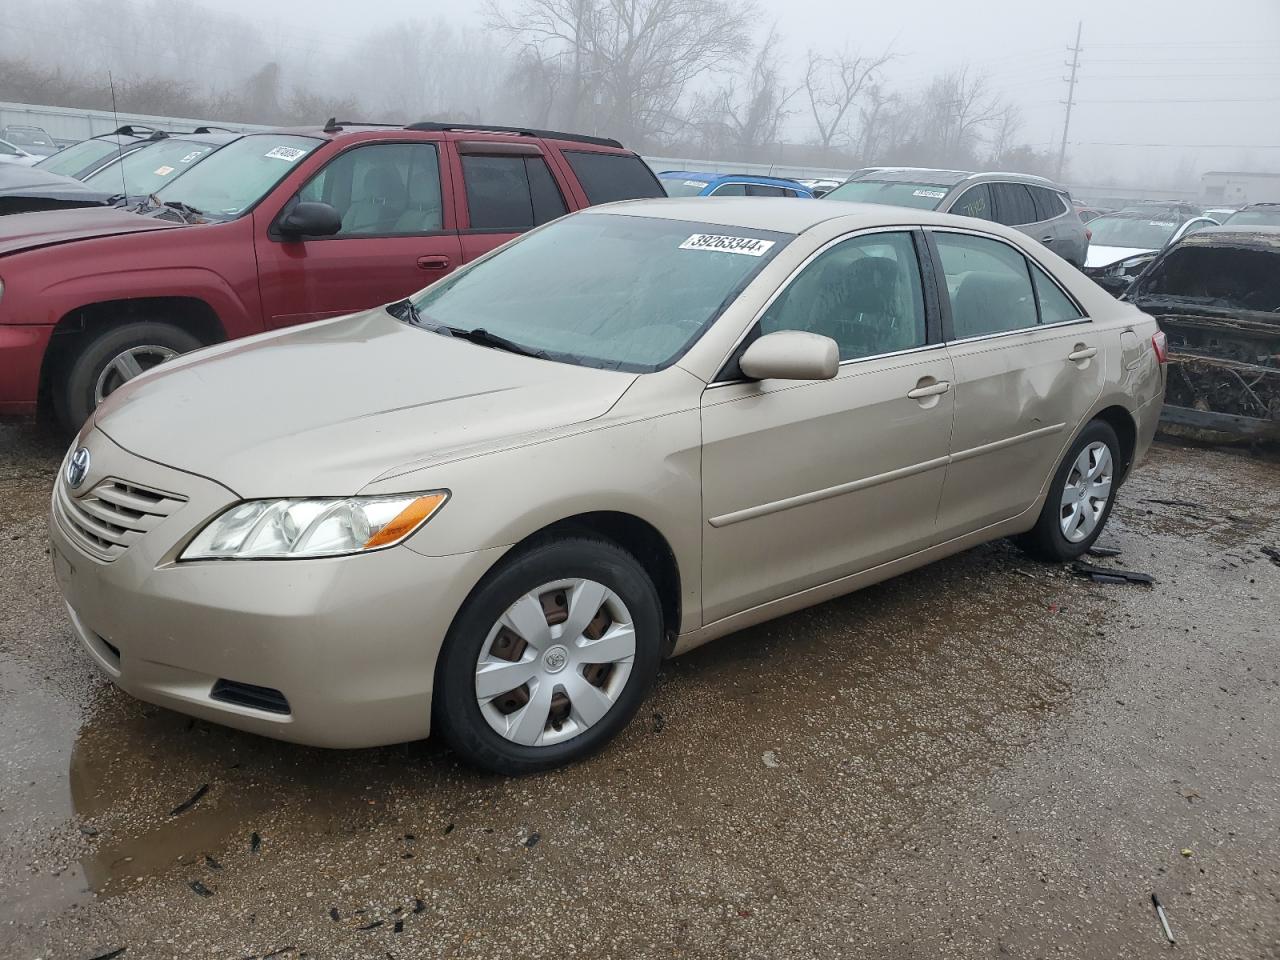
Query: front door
(806,482)
(509,188)
(1028,368)
(398,235)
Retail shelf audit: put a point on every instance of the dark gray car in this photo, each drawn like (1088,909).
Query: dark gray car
(1036,206)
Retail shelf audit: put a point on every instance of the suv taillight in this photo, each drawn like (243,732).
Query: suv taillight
(1088,234)
(1160,343)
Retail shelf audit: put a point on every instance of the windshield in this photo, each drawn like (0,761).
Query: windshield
(236,177)
(1254,218)
(33,141)
(145,171)
(679,187)
(74,160)
(1131,232)
(605,290)
(925,196)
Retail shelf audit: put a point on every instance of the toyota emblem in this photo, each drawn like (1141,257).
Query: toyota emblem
(78,468)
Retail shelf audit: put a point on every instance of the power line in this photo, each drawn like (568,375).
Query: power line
(1193,100)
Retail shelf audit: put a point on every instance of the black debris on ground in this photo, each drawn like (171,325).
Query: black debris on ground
(1111,574)
(533,839)
(190,801)
(110,954)
(255,841)
(1097,551)
(333,914)
(370,926)
(211,863)
(200,888)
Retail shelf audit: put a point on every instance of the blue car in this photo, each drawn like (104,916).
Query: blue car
(685,183)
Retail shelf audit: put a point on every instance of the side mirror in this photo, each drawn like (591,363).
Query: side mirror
(310,218)
(791,355)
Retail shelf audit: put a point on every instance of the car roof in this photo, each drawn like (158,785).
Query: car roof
(783,216)
(736,177)
(335,129)
(949,178)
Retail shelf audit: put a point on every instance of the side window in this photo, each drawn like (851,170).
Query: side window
(761,190)
(606,177)
(974,202)
(382,189)
(729,190)
(1014,206)
(864,293)
(1049,205)
(988,283)
(1055,306)
(510,192)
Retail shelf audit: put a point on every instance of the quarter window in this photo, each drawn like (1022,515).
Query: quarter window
(730,190)
(1013,204)
(382,189)
(606,177)
(510,192)
(988,283)
(864,293)
(1055,306)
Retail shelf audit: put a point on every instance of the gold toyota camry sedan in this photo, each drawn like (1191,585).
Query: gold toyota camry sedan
(491,509)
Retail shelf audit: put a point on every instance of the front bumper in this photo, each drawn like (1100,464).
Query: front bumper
(351,642)
(22,350)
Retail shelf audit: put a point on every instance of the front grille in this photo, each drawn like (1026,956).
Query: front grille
(249,695)
(113,515)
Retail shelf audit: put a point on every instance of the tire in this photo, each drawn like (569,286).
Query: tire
(478,640)
(75,397)
(1048,540)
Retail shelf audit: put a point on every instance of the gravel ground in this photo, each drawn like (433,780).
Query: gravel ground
(986,758)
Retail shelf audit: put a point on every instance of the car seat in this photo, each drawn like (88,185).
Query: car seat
(379,204)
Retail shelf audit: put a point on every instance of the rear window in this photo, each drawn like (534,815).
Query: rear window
(606,177)
(924,196)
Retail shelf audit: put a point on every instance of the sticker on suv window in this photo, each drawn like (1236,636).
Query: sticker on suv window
(695,183)
(288,154)
(748,246)
(931,194)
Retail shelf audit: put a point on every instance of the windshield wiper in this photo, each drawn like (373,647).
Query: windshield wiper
(484,338)
(185,209)
(407,311)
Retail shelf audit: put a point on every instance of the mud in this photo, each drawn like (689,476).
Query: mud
(989,757)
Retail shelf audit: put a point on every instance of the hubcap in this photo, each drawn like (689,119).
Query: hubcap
(1086,492)
(127,365)
(555,662)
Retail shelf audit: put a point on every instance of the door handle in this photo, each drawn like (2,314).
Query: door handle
(1046,239)
(433,263)
(1082,353)
(935,389)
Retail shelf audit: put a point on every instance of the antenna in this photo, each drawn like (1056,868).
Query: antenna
(124,187)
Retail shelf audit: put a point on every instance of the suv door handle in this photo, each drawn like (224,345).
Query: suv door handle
(433,263)
(1082,353)
(1046,239)
(935,389)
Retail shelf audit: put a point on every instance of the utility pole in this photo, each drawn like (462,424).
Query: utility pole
(1071,95)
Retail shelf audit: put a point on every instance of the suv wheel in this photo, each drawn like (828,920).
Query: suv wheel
(112,358)
(549,658)
(1080,497)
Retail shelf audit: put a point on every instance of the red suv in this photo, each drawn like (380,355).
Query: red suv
(275,229)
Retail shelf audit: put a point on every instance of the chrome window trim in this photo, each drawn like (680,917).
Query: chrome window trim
(1011,333)
(790,278)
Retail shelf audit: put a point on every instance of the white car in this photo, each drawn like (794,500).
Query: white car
(12,153)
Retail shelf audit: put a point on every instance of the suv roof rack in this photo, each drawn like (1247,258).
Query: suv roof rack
(210,128)
(139,130)
(519,131)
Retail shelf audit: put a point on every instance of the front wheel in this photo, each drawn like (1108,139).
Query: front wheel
(549,658)
(111,359)
(1080,497)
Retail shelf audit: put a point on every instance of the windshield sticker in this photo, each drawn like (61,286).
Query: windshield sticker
(162,171)
(1158,223)
(931,194)
(748,246)
(191,156)
(695,183)
(288,154)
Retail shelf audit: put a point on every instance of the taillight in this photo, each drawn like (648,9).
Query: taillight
(1088,234)
(1160,344)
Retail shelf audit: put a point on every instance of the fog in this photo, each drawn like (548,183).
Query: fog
(1165,90)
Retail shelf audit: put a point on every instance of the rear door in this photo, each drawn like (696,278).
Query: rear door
(398,235)
(506,189)
(1028,367)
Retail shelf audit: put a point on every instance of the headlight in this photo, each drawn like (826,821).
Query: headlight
(1131,267)
(294,529)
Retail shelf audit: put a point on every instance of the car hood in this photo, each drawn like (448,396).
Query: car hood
(29,231)
(323,409)
(1102,256)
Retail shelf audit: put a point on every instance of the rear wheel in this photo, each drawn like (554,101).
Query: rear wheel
(111,359)
(1080,497)
(549,658)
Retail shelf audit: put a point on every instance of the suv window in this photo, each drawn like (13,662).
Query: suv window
(510,192)
(974,202)
(864,293)
(606,177)
(381,189)
(730,190)
(1049,204)
(988,283)
(1014,206)
(761,190)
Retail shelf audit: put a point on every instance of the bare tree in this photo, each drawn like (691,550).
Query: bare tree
(630,62)
(833,85)
(747,117)
(1004,132)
